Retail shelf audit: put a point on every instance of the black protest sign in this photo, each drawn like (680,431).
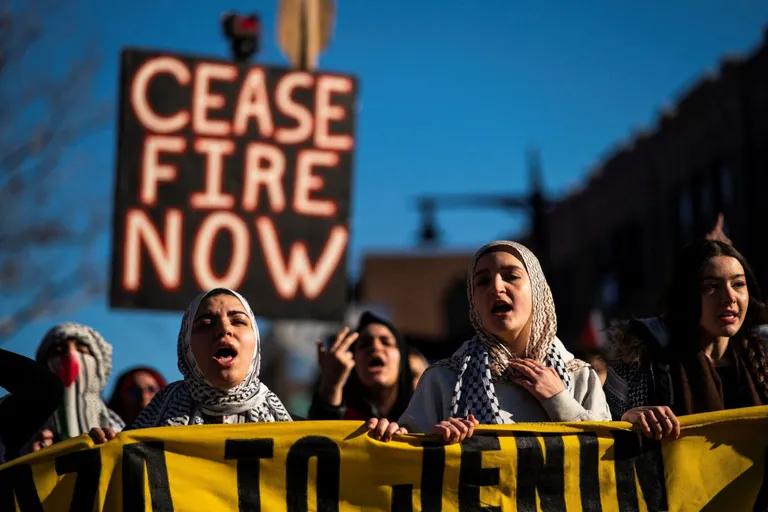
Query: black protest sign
(234,176)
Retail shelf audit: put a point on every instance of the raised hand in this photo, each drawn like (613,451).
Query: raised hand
(541,381)
(718,232)
(336,363)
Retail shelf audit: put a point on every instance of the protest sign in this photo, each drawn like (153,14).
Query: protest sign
(232,176)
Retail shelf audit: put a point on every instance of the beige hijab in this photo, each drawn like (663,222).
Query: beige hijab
(485,359)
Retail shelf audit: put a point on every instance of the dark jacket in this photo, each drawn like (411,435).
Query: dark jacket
(638,366)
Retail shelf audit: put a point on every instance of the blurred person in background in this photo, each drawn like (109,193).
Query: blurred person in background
(363,373)
(34,393)
(82,359)
(703,354)
(418,363)
(133,391)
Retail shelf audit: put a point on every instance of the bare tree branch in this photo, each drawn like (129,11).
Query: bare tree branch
(44,240)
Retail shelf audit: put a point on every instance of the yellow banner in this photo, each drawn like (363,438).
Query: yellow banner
(719,463)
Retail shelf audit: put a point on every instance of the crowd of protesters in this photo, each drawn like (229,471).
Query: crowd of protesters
(703,353)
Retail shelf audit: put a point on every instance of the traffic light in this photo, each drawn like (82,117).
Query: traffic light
(243,33)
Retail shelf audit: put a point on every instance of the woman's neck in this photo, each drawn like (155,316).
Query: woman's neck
(518,342)
(715,348)
(384,399)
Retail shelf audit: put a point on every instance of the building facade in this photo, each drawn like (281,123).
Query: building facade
(612,244)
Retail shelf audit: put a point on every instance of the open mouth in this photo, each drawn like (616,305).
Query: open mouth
(728,316)
(501,308)
(225,354)
(376,362)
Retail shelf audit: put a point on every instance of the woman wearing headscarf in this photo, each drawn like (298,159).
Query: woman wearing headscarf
(82,359)
(133,391)
(363,373)
(219,356)
(704,354)
(514,369)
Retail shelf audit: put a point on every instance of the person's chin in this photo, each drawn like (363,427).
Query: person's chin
(377,382)
(725,332)
(224,381)
(503,330)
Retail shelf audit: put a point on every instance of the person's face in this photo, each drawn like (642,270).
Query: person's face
(724,297)
(142,388)
(63,360)
(377,357)
(418,364)
(70,346)
(501,296)
(223,341)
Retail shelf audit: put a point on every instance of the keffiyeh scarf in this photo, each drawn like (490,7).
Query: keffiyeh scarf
(484,359)
(84,377)
(194,400)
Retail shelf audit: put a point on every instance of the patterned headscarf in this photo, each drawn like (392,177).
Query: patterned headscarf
(189,401)
(84,377)
(485,359)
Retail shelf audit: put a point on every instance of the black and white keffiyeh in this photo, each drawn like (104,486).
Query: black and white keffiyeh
(484,359)
(194,399)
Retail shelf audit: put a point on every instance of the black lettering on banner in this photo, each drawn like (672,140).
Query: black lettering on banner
(432,469)
(641,456)
(297,474)
(535,473)
(18,480)
(402,498)
(472,474)
(87,465)
(248,452)
(589,478)
(135,457)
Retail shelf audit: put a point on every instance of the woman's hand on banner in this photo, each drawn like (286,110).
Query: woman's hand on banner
(655,421)
(336,362)
(382,429)
(455,430)
(44,439)
(102,435)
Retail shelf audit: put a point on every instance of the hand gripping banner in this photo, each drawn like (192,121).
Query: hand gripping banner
(719,463)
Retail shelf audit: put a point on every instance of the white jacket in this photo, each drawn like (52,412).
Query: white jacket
(431,402)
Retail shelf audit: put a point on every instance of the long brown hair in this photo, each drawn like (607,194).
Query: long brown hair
(683,312)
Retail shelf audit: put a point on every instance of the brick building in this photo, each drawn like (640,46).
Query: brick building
(611,244)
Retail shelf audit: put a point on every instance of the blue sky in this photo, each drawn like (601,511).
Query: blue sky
(452,94)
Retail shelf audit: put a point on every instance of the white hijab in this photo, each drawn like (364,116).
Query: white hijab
(194,400)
